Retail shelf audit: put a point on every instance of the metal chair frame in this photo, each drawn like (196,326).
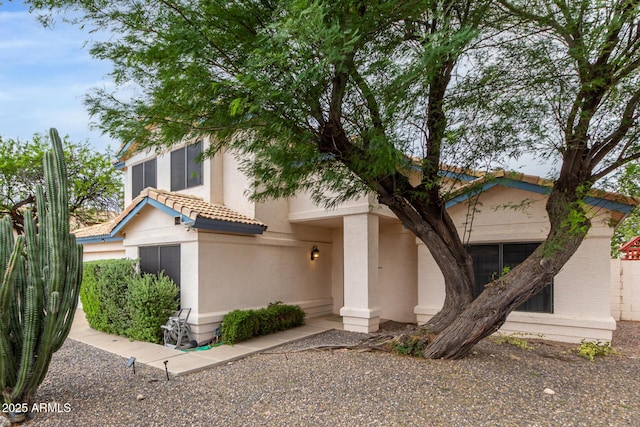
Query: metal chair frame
(177,332)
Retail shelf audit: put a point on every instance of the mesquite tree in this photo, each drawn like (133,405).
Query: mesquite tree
(342,97)
(41,274)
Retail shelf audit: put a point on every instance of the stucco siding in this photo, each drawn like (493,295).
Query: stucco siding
(238,272)
(398,278)
(103,250)
(581,302)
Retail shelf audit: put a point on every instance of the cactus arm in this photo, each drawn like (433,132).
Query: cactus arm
(69,301)
(32,327)
(7,361)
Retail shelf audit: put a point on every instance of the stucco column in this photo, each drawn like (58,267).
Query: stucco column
(361,311)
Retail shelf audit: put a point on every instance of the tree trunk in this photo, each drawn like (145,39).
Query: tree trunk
(438,232)
(488,312)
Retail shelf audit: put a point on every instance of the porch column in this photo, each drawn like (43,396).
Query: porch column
(361,311)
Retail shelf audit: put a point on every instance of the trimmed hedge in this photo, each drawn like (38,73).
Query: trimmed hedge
(118,300)
(104,293)
(240,325)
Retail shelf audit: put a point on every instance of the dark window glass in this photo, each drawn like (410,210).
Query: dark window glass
(489,262)
(154,259)
(137,179)
(150,174)
(194,165)
(143,175)
(486,262)
(186,167)
(178,181)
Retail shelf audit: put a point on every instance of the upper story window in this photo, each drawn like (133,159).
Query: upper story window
(143,175)
(490,260)
(186,167)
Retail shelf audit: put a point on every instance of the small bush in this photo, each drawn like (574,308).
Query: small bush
(239,325)
(104,293)
(410,345)
(591,349)
(118,300)
(151,299)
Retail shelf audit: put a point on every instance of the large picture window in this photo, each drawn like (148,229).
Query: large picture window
(143,175)
(186,167)
(490,260)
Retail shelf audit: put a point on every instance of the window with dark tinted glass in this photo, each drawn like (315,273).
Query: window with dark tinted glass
(143,175)
(490,260)
(186,167)
(154,259)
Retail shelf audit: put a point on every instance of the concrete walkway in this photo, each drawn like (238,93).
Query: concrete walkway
(185,362)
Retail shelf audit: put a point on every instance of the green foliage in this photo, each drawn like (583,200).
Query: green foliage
(151,300)
(118,300)
(95,186)
(104,294)
(240,325)
(41,275)
(515,339)
(592,349)
(410,345)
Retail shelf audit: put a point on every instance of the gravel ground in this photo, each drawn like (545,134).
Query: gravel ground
(498,385)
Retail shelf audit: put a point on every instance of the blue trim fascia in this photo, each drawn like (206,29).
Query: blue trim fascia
(98,239)
(124,149)
(454,175)
(166,209)
(119,165)
(227,226)
(472,192)
(521,185)
(539,189)
(156,204)
(608,204)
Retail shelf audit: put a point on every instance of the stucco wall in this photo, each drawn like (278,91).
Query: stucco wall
(398,276)
(581,289)
(240,272)
(625,289)
(107,250)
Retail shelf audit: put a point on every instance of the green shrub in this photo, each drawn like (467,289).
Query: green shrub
(104,293)
(113,282)
(151,299)
(118,300)
(410,344)
(239,325)
(591,349)
(90,295)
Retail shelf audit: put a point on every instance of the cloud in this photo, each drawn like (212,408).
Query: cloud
(44,76)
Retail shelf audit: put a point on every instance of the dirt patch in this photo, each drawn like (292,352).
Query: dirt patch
(626,340)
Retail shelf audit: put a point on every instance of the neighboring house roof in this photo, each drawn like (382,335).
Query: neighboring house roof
(479,182)
(193,212)
(631,249)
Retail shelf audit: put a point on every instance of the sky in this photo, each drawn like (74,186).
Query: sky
(44,76)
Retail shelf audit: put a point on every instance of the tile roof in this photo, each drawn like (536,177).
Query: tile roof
(202,214)
(487,177)
(195,207)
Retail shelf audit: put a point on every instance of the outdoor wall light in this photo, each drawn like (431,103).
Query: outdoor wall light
(315,252)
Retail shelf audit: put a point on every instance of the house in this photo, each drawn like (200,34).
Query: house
(194,221)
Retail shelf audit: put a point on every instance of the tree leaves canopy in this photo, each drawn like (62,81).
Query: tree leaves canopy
(95,187)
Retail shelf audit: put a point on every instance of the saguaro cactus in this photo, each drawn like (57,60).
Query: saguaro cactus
(41,274)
